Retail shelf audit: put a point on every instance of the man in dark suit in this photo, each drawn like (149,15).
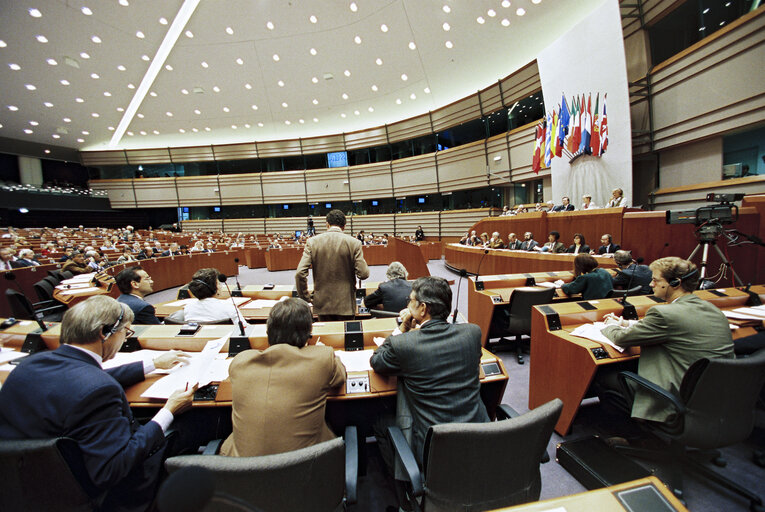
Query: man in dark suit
(437,363)
(66,392)
(513,242)
(135,283)
(337,260)
(608,246)
(565,207)
(26,259)
(528,241)
(419,235)
(394,293)
(630,274)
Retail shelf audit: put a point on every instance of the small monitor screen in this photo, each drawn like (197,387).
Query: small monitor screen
(216,208)
(338,159)
(328,205)
(298,234)
(286,206)
(374,203)
(185,209)
(421,200)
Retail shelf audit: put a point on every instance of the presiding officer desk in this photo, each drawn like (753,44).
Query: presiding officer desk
(563,365)
(165,337)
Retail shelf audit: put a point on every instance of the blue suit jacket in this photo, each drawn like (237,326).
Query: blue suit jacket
(64,393)
(393,295)
(143,311)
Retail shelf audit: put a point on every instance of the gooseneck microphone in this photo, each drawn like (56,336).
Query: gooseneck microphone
(478,283)
(236,276)
(222,279)
(463,273)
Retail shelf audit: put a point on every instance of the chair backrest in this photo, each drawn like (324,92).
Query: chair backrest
(635,290)
(483,466)
(67,274)
(20,306)
(379,313)
(36,476)
(521,302)
(176,317)
(720,397)
(309,479)
(56,275)
(44,289)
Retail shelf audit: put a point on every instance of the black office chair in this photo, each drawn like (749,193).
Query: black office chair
(379,313)
(515,318)
(479,466)
(715,409)
(66,274)
(618,294)
(319,478)
(23,309)
(39,474)
(44,290)
(56,275)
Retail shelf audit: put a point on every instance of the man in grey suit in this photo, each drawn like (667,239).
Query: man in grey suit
(337,260)
(437,363)
(672,336)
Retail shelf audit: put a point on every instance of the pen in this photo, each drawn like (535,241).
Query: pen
(187,386)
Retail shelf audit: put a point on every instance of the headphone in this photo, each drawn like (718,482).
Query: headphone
(676,281)
(107,331)
(213,290)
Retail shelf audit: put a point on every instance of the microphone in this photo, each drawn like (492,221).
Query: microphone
(191,489)
(463,273)
(222,279)
(479,284)
(236,276)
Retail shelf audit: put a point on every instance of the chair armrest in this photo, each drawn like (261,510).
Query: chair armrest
(406,457)
(212,448)
(46,307)
(505,412)
(652,388)
(351,464)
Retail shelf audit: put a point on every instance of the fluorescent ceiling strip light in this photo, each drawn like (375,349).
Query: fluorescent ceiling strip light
(175,30)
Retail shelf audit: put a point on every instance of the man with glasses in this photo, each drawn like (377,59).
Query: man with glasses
(67,393)
(134,284)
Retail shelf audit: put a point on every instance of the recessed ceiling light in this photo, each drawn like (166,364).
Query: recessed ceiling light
(447,9)
(280,83)
(426,90)
(67,120)
(449,44)
(142,132)
(107,94)
(480,20)
(347,72)
(41,39)
(94,114)
(47,151)
(30,87)
(259,124)
(254,107)
(197,111)
(284,104)
(239,61)
(79,100)
(35,13)
(313,19)
(96,39)
(354,7)
(48,104)
(153,94)
(130,86)
(52,62)
(64,82)
(216,88)
(163,21)
(491,13)
(130,134)
(184,91)
(140,35)
(505,22)
(124,3)
(315,101)
(398,101)
(374,88)
(315,80)
(287,123)
(85,132)
(14,67)
(537,1)
(181,130)
(80,140)
(121,67)
(28,131)
(226,109)
(247,125)
(413,96)
(168,67)
(56,136)
(505,3)
(248,86)
(384,27)
(145,57)
(189,34)
(301,121)
(356,112)
(204,64)
(342,115)
(345,96)
(155,132)
(520,11)
(276,57)
(229,31)
(404,77)
(315,119)
(412,46)
(269,25)
(378,61)
(195,130)
(120,109)
(357,39)
(446,27)
(169,114)
(312,51)
(2,44)
(140,116)
(371,109)
(33,123)
(84,55)
(94,76)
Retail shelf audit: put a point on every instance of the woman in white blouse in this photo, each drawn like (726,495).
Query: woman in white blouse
(208,308)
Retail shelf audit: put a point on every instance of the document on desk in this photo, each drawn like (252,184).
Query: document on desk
(8,354)
(355,361)
(757,312)
(201,370)
(179,303)
(593,332)
(260,303)
(79,290)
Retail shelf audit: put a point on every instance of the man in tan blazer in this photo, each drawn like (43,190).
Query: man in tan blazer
(336,259)
(280,394)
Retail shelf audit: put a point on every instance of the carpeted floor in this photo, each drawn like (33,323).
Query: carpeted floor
(375,492)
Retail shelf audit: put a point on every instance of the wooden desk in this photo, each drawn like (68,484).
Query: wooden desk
(601,500)
(563,365)
(283,259)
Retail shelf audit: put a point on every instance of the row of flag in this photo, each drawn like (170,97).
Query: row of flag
(571,131)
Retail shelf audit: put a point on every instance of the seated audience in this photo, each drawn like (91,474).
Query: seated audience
(592,282)
(630,274)
(393,294)
(26,259)
(505,211)
(672,336)
(566,205)
(7,259)
(587,203)
(95,261)
(553,244)
(513,242)
(280,394)
(78,264)
(66,393)
(579,245)
(528,242)
(135,284)
(207,308)
(608,247)
(617,199)
(126,257)
(484,239)
(495,242)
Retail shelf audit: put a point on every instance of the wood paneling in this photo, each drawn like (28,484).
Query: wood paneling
(279,148)
(326,144)
(370,181)
(240,188)
(198,191)
(155,192)
(415,175)
(409,128)
(148,156)
(235,151)
(328,184)
(192,154)
(284,187)
(462,167)
(120,192)
(462,111)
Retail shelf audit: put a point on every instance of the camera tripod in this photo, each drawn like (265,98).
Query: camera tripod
(708,235)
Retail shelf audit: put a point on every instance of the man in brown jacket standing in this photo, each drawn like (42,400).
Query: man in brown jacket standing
(336,259)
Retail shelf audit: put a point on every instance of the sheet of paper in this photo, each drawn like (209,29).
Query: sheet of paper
(737,315)
(355,361)
(260,303)
(80,290)
(546,284)
(378,340)
(592,332)
(10,355)
(755,312)
(198,371)
(79,278)
(179,303)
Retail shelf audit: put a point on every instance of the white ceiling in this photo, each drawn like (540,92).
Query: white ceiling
(249,103)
